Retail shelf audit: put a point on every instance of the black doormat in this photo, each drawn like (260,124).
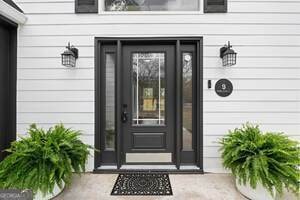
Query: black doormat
(142,184)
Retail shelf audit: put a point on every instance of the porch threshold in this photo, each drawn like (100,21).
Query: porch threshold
(191,169)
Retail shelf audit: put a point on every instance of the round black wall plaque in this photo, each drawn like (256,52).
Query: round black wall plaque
(223,87)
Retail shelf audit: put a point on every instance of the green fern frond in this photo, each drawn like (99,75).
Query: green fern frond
(44,159)
(271,159)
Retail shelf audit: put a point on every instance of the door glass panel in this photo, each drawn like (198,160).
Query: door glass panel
(151,5)
(148,88)
(109,101)
(187,102)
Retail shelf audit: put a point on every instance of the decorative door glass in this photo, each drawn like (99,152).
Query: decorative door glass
(148,88)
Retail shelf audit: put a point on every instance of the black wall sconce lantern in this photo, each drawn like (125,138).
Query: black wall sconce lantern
(69,56)
(228,55)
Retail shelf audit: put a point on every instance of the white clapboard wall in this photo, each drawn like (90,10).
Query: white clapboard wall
(266,79)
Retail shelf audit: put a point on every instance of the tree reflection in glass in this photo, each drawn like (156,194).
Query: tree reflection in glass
(148,85)
(151,5)
(110,101)
(187,102)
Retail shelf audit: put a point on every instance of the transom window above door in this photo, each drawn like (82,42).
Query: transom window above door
(151,5)
(94,6)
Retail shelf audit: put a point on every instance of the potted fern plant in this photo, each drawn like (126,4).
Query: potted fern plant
(44,161)
(263,164)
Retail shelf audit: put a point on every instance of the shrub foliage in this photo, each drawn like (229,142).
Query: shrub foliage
(44,159)
(271,159)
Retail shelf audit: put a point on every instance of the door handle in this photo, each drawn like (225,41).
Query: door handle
(124,115)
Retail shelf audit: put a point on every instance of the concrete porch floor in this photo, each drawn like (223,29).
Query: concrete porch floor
(185,187)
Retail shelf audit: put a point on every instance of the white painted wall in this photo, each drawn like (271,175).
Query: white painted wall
(266,79)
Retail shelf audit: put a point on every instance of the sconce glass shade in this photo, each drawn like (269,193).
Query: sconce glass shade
(68,58)
(229,58)
(228,55)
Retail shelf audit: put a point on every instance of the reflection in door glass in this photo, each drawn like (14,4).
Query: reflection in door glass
(109,101)
(148,86)
(187,102)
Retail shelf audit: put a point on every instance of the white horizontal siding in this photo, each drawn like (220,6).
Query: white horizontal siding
(213,141)
(56,96)
(56,85)
(39,63)
(76,118)
(86,129)
(264,7)
(185,18)
(209,96)
(235,73)
(210,107)
(56,74)
(266,79)
(252,107)
(79,84)
(257,62)
(88,41)
(209,62)
(211,51)
(209,118)
(242,117)
(233,7)
(255,96)
(55,107)
(222,129)
(212,132)
(161,29)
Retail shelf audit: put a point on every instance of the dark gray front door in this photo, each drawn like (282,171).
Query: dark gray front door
(148,103)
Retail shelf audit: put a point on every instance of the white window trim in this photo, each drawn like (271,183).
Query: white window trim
(101,8)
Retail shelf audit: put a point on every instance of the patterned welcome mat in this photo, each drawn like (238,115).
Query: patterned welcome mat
(142,184)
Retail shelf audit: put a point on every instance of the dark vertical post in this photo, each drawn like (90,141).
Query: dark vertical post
(102,99)
(118,104)
(199,158)
(12,86)
(97,102)
(178,105)
(8,71)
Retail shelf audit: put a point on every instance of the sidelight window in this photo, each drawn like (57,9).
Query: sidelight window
(110,101)
(187,101)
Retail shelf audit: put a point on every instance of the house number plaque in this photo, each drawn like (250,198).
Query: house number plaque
(223,87)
